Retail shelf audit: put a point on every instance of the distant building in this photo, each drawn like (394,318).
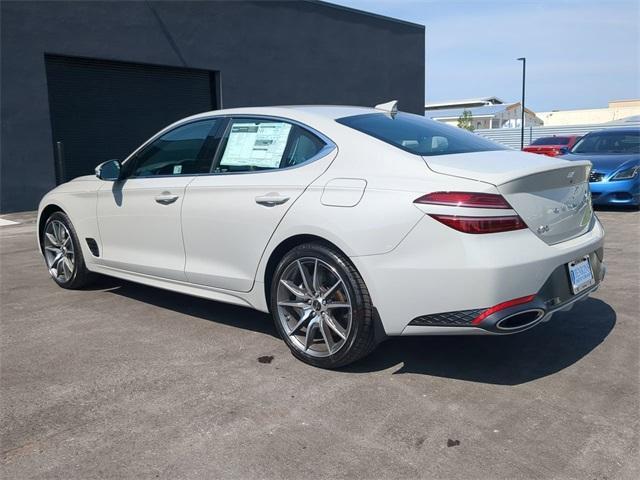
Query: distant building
(617,110)
(486,112)
(467,103)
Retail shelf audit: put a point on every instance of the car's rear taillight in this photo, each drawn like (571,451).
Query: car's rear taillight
(481,224)
(464,199)
(471,224)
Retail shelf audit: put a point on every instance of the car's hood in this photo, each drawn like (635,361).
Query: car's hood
(605,163)
(84,178)
(85,183)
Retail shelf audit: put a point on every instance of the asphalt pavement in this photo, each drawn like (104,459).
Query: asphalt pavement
(126,381)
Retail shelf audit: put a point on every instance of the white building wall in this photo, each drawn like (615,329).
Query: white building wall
(512,117)
(508,118)
(587,116)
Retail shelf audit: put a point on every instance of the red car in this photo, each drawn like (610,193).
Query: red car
(552,146)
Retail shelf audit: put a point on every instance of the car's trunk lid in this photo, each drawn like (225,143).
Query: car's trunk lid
(550,195)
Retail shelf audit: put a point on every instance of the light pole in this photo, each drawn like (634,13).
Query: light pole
(524,71)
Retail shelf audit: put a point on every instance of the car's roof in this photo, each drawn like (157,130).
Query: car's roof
(320,117)
(334,111)
(325,111)
(618,130)
(558,136)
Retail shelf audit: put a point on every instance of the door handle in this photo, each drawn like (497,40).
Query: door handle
(271,199)
(165,198)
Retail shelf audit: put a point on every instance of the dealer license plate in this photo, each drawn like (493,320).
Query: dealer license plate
(581,274)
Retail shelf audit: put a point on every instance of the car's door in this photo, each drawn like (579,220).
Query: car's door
(262,167)
(139,216)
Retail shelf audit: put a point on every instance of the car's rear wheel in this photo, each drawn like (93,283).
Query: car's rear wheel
(321,306)
(63,254)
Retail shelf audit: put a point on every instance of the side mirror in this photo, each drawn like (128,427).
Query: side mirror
(109,170)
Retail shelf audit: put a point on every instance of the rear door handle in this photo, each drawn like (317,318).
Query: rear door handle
(165,198)
(271,199)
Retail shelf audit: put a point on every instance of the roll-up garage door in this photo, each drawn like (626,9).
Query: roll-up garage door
(104,109)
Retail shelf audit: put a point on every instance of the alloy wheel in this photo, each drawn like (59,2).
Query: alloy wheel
(314,307)
(58,251)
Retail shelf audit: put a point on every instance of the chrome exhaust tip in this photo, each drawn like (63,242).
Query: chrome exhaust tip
(520,320)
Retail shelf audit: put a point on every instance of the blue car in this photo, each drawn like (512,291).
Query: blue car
(615,155)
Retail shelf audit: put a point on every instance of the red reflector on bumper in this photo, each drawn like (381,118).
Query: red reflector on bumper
(502,306)
(481,224)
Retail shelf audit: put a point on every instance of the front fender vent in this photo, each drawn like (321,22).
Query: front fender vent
(93,246)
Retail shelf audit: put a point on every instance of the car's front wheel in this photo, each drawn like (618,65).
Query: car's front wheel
(62,252)
(321,306)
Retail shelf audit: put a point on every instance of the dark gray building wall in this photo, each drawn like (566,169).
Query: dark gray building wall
(267,53)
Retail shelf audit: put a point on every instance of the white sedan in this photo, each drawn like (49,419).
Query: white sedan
(348,224)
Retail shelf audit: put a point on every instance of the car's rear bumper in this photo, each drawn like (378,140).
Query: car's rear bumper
(625,192)
(554,296)
(437,269)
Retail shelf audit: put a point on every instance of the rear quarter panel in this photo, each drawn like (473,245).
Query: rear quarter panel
(385,213)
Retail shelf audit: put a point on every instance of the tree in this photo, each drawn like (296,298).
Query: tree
(466,120)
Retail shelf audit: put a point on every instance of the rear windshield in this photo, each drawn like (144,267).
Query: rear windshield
(419,135)
(609,142)
(551,141)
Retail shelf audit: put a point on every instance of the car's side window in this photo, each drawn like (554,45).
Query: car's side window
(178,152)
(303,146)
(252,145)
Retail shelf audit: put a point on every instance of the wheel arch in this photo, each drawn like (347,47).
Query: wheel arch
(44,215)
(281,250)
(293,241)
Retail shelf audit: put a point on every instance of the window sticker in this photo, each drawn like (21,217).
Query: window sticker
(256,144)
(177,169)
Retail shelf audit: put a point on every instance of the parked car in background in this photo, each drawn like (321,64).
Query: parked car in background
(552,146)
(348,224)
(615,155)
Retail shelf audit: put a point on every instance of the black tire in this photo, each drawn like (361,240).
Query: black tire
(80,277)
(361,339)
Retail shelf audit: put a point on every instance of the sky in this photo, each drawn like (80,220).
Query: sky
(580,53)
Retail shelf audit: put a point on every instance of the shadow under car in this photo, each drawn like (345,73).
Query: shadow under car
(502,359)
